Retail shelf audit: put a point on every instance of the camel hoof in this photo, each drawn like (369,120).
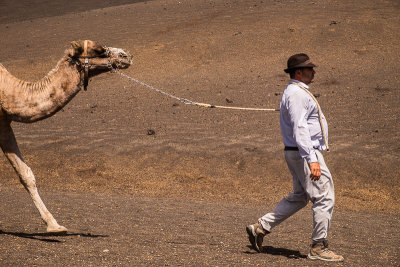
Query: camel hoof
(60,230)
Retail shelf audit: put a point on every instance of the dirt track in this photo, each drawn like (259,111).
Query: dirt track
(110,230)
(205,167)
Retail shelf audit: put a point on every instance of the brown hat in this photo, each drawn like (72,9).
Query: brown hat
(298,61)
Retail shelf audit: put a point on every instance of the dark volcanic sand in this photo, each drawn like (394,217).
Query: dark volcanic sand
(184,195)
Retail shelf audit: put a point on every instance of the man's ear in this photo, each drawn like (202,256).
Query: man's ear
(298,72)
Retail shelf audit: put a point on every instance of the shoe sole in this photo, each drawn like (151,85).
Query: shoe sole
(323,259)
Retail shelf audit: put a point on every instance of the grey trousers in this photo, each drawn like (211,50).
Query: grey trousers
(320,193)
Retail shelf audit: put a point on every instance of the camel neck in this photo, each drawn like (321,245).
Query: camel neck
(29,102)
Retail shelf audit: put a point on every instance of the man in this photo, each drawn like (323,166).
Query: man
(304,130)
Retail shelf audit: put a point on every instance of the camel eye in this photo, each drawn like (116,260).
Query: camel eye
(100,50)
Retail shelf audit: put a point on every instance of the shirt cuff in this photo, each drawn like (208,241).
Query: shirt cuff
(312,157)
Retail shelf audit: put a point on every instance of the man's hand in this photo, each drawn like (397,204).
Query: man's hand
(315,171)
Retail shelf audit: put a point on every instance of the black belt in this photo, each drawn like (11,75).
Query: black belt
(294,148)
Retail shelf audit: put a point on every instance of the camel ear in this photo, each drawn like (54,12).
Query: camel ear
(76,49)
(75,44)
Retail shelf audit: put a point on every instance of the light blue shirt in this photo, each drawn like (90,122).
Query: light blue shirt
(299,121)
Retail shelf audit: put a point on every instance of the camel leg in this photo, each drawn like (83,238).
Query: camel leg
(10,148)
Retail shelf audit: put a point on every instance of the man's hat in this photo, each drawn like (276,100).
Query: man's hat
(298,61)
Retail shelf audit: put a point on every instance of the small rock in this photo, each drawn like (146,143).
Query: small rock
(228,100)
(151,132)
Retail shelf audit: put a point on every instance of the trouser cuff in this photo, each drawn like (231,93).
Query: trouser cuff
(265,226)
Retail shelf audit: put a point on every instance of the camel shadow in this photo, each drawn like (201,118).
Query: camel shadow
(45,237)
(288,253)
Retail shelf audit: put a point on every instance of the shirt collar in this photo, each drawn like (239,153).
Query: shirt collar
(301,83)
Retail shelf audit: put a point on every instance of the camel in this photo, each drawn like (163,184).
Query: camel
(28,102)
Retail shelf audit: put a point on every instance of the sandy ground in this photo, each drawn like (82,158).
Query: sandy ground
(205,173)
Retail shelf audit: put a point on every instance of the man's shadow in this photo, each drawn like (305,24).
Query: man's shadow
(288,253)
(46,237)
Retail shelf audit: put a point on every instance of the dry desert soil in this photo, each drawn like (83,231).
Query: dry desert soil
(141,179)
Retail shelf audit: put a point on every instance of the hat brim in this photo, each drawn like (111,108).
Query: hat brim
(306,64)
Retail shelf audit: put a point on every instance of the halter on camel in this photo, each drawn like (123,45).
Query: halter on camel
(85,66)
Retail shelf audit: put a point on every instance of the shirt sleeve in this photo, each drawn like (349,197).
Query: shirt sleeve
(298,108)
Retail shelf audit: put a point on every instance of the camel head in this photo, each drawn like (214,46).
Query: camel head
(94,59)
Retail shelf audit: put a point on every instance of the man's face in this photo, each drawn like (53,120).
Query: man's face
(306,75)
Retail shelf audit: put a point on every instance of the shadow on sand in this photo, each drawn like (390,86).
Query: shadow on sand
(288,253)
(43,236)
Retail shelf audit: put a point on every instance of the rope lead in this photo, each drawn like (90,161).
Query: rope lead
(187,101)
